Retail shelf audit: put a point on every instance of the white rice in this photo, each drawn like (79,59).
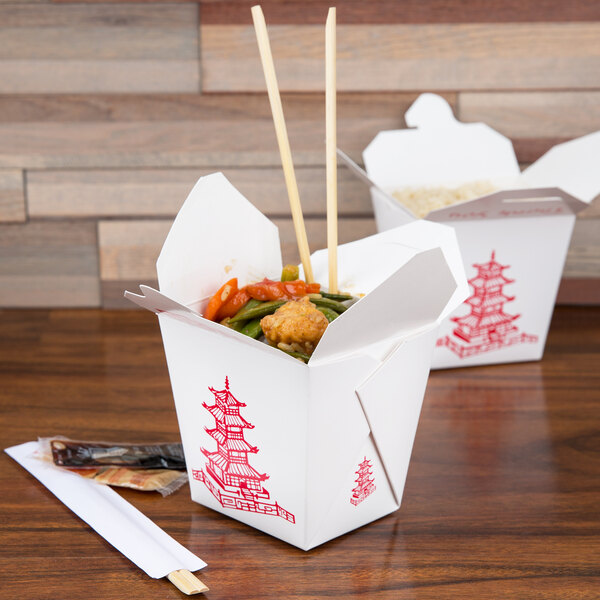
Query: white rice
(422,200)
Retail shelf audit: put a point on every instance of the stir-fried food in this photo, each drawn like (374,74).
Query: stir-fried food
(291,314)
(297,326)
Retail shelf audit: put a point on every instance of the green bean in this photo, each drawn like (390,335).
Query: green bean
(338,297)
(237,326)
(265,308)
(299,355)
(290,273)
(327,303)
(252,303)
(330,314)
(252,329)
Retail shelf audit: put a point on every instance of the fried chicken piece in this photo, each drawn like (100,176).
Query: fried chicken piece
(296,326)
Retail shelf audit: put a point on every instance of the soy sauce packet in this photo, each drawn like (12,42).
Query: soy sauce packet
(143,467)
(81,455)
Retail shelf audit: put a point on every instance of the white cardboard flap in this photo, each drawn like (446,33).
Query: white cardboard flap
(573,166)
(507,204)
(393,410)
(430,110)
(420,290)
(153,300)
(158,303)
(445,152)
(216,235)
(365,264)
(337,430)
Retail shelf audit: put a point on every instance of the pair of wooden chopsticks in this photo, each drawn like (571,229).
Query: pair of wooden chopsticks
(285,152)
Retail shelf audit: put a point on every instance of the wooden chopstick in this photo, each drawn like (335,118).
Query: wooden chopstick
(186,582)
(285,152)
(330,147)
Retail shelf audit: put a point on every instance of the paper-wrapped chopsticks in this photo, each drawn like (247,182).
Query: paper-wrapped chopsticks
(118,522)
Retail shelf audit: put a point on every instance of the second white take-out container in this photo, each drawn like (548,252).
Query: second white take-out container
(513,242)
(304,452)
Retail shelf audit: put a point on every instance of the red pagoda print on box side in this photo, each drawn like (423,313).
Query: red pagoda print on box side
(228,476)
(487,327)
(365,485)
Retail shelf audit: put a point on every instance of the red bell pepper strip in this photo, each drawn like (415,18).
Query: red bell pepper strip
(275,290)
(233,305)
(220,298)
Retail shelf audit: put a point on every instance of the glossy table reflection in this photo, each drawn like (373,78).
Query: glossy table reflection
(501,499)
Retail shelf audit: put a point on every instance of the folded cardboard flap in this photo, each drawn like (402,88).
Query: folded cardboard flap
(520,203)
(412,298)
(430,110)
(158,303)
(441,151)
(216,235)
(393,411)
(573,166)
(391,250)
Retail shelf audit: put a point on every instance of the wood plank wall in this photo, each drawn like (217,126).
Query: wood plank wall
(109,111)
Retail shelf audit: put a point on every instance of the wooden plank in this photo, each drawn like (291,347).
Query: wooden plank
(534,114)
(592,211)
(217,118)
(583,259)
(103,48)
(390,11)
(387,108)
(129,249)
(579,291)
(105,31)
(12,196)
(93,76)
(408,57)
(227,130)
(49,264)
(528,150)
(161,192)
(382,12)
(112,292)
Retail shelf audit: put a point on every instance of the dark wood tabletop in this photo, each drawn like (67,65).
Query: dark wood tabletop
(502,498)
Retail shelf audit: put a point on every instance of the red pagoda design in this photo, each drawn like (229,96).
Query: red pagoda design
(487,327)
(228,476)
(365,485)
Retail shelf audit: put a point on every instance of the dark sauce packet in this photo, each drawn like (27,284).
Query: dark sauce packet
(81,455)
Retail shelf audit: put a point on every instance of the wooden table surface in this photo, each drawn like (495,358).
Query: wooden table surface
(502,498)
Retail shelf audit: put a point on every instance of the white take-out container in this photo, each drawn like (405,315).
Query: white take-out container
(513,242)
(304,452)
